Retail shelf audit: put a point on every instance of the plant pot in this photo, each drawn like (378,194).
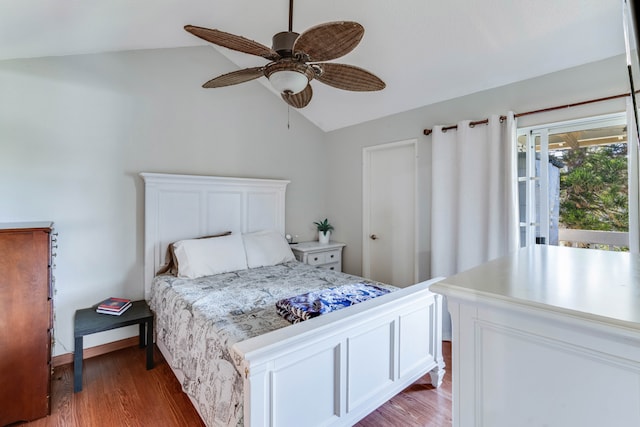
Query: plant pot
(323,237)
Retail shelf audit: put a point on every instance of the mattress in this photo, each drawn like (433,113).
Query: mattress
(198,320)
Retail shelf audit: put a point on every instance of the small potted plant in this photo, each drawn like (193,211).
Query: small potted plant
(324,230)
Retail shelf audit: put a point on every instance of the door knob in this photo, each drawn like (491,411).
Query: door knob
(373,237)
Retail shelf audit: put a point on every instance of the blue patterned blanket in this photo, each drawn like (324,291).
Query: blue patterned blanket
(312,304)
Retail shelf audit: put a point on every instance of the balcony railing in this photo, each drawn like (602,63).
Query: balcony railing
(607,240)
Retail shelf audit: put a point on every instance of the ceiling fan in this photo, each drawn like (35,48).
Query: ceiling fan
(296,59)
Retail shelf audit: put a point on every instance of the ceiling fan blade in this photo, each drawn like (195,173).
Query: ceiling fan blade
(329,41)
(235,77)
(300,99)
(348,77)
(233,42)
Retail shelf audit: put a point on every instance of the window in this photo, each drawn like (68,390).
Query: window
(573,183)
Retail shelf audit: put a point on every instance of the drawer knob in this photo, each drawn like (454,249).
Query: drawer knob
(373,237)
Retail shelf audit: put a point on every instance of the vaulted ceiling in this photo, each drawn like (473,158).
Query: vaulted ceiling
(425,50)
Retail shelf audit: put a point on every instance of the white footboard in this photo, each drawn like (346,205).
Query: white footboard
(337,368)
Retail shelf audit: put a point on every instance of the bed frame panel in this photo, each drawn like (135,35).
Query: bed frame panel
(337,368)
(330,370)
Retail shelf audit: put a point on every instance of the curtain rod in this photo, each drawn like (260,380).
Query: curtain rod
(543,110)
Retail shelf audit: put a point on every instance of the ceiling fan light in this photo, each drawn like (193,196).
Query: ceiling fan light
(285,81)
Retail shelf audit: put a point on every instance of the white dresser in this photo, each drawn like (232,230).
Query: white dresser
(327,255)
(547,336)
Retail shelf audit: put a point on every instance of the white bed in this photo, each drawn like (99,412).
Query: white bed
(355,358)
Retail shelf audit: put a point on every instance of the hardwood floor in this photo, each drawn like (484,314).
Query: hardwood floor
(119,391)
(419,405)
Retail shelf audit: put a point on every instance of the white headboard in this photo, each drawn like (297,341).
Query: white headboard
(187,206)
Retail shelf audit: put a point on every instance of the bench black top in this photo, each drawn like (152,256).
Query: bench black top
(87,321)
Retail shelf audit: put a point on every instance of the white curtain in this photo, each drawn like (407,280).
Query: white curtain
(474,199)
(634,202)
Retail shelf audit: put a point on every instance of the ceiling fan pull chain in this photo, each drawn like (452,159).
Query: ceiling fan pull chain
(288,117)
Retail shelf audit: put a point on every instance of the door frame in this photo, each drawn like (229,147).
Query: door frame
(366,196)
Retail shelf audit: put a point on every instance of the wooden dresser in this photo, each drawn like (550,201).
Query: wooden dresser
(26,320)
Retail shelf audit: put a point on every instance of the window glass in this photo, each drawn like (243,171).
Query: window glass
(573,184)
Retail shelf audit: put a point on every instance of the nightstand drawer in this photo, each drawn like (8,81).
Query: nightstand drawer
(333,256)
(316,259)
(335,266)
(327,256)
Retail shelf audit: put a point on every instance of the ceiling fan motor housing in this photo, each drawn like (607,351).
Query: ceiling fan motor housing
(283,43)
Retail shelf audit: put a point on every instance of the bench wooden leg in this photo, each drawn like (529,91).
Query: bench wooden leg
(149,325)
(141,335)
(77,365)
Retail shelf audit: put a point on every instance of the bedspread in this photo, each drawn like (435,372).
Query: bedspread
(313,304)
(198,320)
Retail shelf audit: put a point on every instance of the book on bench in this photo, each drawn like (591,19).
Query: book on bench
(113,306)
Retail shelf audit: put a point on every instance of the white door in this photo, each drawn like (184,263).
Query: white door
(389,222)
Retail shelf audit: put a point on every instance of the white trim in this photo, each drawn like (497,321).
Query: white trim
(577,124)
(634,190)
(530,229)
(612,238)
(544,185)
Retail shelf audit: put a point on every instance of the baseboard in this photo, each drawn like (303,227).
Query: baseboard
(64,359)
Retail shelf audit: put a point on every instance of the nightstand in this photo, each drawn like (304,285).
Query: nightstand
(87,321)
(327,255)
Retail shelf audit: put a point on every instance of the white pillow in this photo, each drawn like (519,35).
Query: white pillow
(205,257)
(266,248)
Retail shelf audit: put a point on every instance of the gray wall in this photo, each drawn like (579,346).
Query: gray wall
(345,146)
(75,132)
